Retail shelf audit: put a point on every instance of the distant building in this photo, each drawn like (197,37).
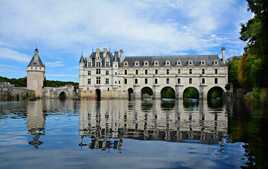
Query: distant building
(104,74)
(36,74)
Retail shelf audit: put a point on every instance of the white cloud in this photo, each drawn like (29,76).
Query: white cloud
(140,27)
(54,64)
(6,53)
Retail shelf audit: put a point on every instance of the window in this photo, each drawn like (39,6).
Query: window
(178,62)
(167,80)
(203,71)
(146,63)
(202,62)
(136,63)
(107,63)
(146,71)
(167,71)
(190,80)
(190,62)
(190,71)
(137,72)
(107,81)
(125,63)
(98,71)
(146,81)
(167,62)
(179,71)
(125,72)
(136,81)
(98,80)
(125,81)
(155,81)
(216,71)
(216,80)
(203,81)
(107,72)
(215,62)
(89,73)
(88,81)
(156,71)
(179,81)
(115,73)
(156,63)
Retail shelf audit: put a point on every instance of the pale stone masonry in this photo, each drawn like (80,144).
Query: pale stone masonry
(36,74)
(105,74)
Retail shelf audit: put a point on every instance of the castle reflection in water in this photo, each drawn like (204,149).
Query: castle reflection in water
(105,124)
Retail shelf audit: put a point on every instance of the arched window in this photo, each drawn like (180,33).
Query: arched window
(178,62)
(146,63)
(167,63)
(190,62)
(125,63)
(137,63)
(156,63)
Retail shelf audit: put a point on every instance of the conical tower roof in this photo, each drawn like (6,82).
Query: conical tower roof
(36,60)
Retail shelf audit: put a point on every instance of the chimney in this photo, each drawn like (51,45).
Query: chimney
(222,54)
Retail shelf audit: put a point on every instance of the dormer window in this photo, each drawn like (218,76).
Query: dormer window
(167,63)
(146,63)
(137,63)
(178,62)
(125,63)
(190,62)
(156,63)
(215,62)
(203,62)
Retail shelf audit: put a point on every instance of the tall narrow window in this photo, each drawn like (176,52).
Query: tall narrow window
(98,80)
(167,80)
(137,72)
(156,71)
(167,71)
(107,72)
(179,71)
(155,81)
(203,81)
(125,72)
(107,81)
(136,81)
(190,80)
(88,81)
(216,71)
(98,71)
(146,81)
(179,81)
(216,80)
(89,73)
(125,81)
(203,71)
(190,71)
(146,71)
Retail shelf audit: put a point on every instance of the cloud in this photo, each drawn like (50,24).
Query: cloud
(54,64)
(6,53)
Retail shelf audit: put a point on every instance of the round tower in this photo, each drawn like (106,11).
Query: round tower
(36,74)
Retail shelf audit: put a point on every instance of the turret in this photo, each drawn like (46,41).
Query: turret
(36,74)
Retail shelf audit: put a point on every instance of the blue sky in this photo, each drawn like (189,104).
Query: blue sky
(64,29)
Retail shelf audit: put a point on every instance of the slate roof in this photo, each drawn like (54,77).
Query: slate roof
(36,60)
(183,59)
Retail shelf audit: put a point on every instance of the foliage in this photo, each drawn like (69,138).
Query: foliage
(167,92)
(22,82)
(191,92)
(253,66)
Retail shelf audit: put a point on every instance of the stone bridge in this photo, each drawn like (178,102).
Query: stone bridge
(65,92)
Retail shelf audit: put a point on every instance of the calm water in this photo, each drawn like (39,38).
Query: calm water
(120,134)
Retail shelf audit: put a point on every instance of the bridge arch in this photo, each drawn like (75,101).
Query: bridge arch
(215,96)
(146,92)
(191,92)
(168,92)
(62,95)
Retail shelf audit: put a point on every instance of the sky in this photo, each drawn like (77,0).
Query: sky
(62,30)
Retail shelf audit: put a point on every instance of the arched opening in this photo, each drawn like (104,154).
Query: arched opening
(130,94)
(62,96)
(167,93)
(190,97)
(146,92)
(98,94)
(215,97)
